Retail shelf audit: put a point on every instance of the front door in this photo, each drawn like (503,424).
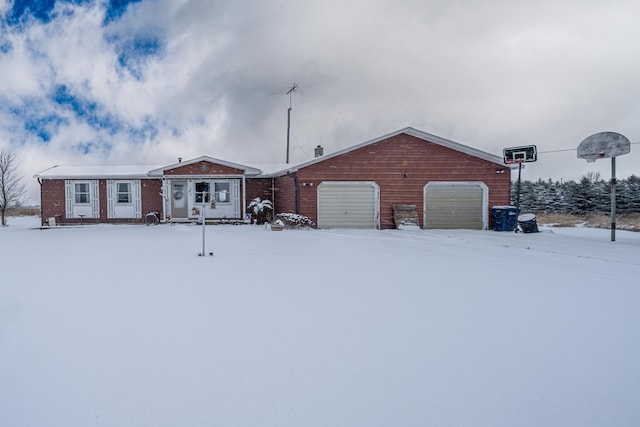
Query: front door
(179,206)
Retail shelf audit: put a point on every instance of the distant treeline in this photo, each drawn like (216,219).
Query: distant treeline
(590,195)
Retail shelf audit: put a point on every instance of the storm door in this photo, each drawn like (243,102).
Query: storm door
(179,208)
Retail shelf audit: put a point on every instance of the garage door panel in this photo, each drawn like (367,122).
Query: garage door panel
(347,205)
(455,206)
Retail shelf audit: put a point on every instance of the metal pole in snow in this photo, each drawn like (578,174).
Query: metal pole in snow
(203,253)
(203,222)
(518,196)
(613,199)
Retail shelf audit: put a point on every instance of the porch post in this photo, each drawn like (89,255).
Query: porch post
(165,194)
(244,196)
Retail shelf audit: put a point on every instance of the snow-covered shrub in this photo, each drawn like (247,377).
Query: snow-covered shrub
(260,209)
(291,220)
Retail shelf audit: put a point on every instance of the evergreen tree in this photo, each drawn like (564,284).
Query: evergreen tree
(591,195)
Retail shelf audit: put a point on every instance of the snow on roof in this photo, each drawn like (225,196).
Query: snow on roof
(97,171)
(267,170)
(273,168)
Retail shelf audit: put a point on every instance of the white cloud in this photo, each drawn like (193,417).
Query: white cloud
(487,74)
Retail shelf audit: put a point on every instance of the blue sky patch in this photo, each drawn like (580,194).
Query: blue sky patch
(44,127)
(90,147)
(5,46)
(134,54)
(39,10)
(43,10)
(35,121)
(147,132)
(117,8)
(22,10)
(85,109)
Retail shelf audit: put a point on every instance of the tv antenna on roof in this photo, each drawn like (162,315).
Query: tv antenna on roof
(290,93)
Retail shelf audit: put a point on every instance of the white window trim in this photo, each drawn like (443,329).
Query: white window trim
(129,193)
(76,193)
(135,195)
(70,198)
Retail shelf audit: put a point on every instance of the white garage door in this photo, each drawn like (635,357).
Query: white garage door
(460,205)
(348,205)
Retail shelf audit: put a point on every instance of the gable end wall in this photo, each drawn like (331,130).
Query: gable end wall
(401,165)
(197,169)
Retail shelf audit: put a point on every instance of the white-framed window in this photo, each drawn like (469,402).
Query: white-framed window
(123,193)
(124,199)
(82,193)
(203,192)
(222,192)
(82,198)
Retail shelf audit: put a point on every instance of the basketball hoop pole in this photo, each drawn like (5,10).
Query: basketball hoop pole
(518,195)
(613,199)
(520,155)
(604,145)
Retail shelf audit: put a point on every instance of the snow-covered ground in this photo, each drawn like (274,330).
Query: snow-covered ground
(126,326)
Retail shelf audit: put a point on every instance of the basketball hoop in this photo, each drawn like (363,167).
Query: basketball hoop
(605,145)
(513,161)
(591,158)
(518,156)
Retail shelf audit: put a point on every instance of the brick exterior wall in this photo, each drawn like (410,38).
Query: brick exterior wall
(52,199)
(151,193)
(258,187)
(285,191)
(282,195)
(53,202)
(401,165)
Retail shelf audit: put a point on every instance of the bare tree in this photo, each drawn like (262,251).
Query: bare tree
(593,177)
(12,190)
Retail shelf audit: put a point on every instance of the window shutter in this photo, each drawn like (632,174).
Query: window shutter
(111,202)
(137,199)
(95,199)
(68,195)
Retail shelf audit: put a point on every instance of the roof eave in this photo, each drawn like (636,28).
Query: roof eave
(95,176)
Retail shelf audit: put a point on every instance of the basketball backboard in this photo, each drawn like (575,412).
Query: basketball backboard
(524,154)
(603,145)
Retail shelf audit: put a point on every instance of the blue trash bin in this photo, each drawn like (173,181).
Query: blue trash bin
(505,218)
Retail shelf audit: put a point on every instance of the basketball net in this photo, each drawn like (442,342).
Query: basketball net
(590,158)
(513,161)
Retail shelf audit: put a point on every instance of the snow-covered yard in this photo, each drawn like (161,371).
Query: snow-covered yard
(126,326)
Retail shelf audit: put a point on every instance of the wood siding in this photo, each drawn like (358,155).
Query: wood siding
(401,165)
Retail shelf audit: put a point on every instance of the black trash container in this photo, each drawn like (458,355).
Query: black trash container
(504,218)
(527,223)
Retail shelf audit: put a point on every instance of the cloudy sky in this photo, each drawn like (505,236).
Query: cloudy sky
(147,81)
